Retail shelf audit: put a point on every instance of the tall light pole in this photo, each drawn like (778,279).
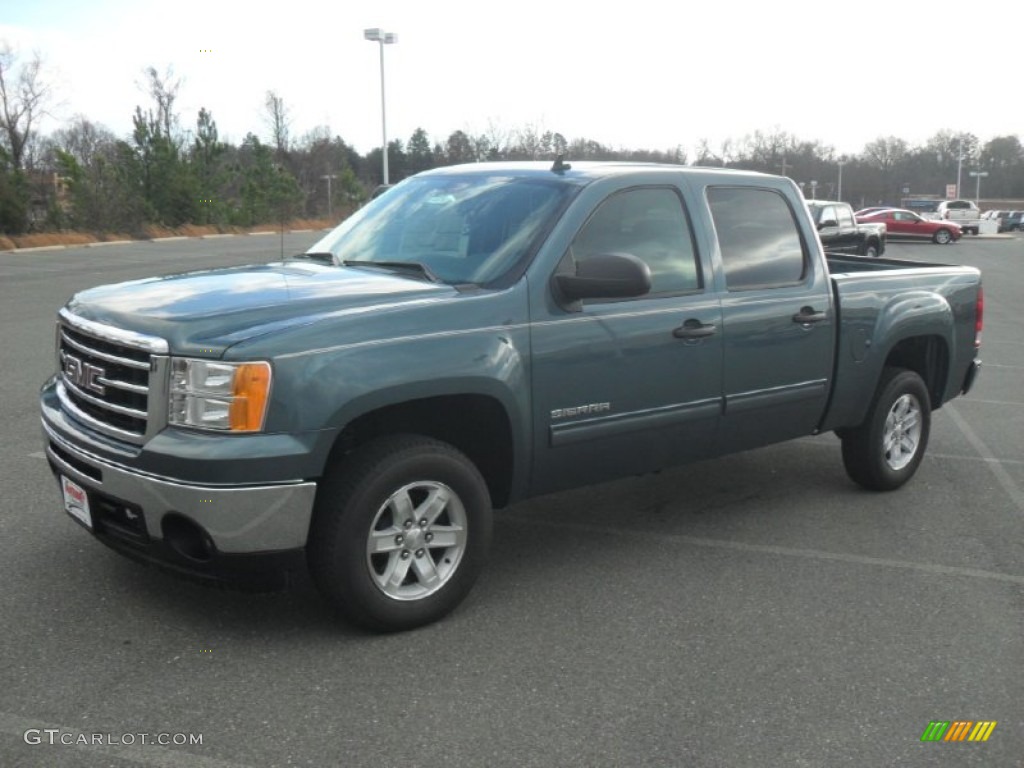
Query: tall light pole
(979,175)
(378,35)
(839,194)
(329,176)
(959,162)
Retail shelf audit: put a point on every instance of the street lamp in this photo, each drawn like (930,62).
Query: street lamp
(378,35)
(979,175)
(329,176)
(959,162)
(839,194)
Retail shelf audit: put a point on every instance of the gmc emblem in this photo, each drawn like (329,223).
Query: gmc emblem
(82,374)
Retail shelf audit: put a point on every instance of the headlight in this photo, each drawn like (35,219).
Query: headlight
(220,396)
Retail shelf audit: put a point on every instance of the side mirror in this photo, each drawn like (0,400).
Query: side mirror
(828,223)
(606,276)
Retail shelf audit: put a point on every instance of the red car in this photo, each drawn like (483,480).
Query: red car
(902,224)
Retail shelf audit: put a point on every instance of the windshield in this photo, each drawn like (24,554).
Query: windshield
(463,229)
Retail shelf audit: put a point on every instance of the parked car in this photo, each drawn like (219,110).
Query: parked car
(841,233)
(1011,222)
(866,211)
(964,212)
(901,224)
(478,335)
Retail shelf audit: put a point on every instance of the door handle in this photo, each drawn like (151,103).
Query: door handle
(808,315)
(694,329)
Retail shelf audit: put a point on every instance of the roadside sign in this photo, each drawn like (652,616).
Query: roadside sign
(951,191)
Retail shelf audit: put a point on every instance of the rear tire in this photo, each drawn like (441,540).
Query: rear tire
(400,532)
(871,250)
(884,452)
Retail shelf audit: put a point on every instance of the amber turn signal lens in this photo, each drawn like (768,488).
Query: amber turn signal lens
(251,395)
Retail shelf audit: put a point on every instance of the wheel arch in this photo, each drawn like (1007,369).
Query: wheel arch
(928,357)
(480,424)
(916,332)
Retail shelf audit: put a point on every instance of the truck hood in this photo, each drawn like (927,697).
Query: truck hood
(208,311)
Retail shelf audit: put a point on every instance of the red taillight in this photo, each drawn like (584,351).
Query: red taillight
(979,317)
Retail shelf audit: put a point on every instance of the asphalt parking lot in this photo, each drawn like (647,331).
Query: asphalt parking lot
(758,610)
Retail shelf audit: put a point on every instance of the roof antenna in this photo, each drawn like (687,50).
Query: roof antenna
(560,166)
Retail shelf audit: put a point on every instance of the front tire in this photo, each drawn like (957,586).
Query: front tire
(943,236)
(884,452)
(400,532)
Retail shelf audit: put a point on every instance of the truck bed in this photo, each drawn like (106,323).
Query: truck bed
(842,263)
(872,298)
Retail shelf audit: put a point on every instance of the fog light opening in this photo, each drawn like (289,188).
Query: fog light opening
(187,539)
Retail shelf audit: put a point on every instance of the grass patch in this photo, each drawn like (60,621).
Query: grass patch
(42,239)
(152,231)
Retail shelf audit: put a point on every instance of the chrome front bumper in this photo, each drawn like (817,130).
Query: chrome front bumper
(239,519)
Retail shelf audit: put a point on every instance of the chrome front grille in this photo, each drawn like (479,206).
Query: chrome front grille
(108,377)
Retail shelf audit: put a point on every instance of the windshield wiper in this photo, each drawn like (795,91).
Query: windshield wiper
(402,266)
(321,258)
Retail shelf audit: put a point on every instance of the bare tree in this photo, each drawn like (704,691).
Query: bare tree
(279,122)
(164,90)
(885,152)
(83,140)
(24,94)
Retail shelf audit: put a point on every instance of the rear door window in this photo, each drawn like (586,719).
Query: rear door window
(758,237)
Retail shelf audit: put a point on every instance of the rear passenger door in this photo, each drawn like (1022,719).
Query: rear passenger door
(834,236)
(851,236)
(777,315)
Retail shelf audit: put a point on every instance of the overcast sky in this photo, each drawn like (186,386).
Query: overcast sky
(647,75)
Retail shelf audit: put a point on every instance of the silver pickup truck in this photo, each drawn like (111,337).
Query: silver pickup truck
(963,213)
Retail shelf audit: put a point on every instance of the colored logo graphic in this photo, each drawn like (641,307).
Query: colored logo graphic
(958,730)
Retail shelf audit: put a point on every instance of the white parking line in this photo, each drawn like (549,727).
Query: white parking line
(956,457)
(993,463)
(768,549)
(990,402)
(37,455)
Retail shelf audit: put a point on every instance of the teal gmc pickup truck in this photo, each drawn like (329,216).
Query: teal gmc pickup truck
(475,336)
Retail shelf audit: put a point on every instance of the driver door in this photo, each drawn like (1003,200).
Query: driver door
(629,386)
